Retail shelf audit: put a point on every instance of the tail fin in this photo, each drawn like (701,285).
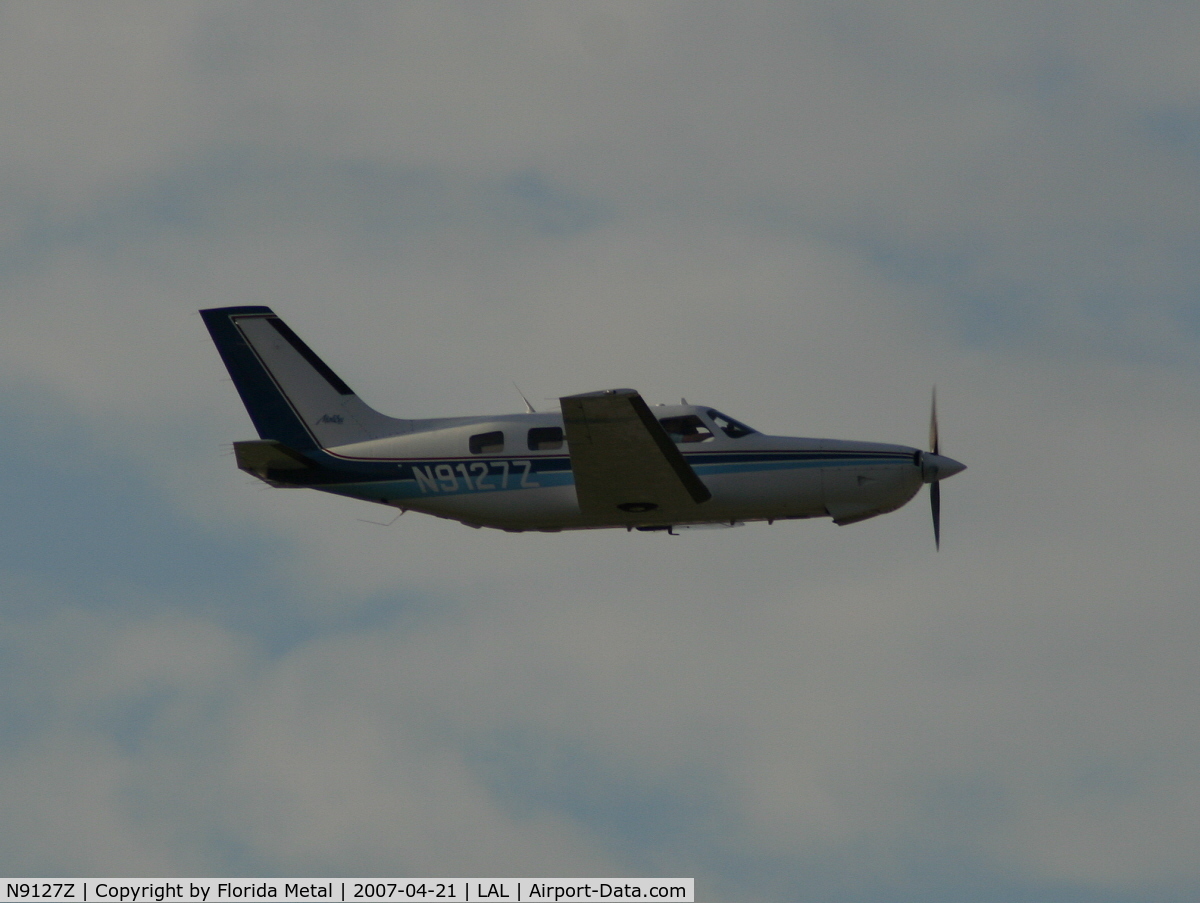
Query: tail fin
(291,394)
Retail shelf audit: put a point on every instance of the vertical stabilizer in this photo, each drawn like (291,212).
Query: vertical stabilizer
(292,395)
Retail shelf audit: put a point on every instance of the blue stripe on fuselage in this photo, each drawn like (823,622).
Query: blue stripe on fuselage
(755,462)
(438,477)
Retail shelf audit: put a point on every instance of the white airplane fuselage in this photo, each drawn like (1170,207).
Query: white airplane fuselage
(754,477)
(632,465)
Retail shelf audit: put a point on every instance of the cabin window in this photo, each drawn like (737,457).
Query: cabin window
(688,428)
(487,443)
(729,426)
(545,438)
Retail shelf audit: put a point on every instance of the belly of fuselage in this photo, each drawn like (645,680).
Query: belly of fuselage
(744,487)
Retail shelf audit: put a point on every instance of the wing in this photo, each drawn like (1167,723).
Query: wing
(622,458)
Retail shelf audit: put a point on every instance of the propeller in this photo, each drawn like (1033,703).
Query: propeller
(935,487)
(934,468)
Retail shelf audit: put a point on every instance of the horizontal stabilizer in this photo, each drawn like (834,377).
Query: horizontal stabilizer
(269,460)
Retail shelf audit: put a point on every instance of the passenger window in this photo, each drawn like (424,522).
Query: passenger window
(487,443)
(545,438)
(688,428)
(729,426)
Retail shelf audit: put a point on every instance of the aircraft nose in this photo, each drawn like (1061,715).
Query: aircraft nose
(939,467)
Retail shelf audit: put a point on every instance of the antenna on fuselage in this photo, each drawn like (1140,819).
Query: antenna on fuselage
(363,520)
(528,407)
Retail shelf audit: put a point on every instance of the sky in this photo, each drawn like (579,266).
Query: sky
(805,214)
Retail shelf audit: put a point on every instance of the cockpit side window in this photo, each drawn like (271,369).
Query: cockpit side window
(545,438)
(688,428)
(729,426)
(487,443)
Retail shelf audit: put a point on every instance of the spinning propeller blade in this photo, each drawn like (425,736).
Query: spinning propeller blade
(935,488)
(933,426)
(935,502)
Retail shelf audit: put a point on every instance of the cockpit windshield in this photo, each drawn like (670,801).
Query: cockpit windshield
(688,428)
(730,427)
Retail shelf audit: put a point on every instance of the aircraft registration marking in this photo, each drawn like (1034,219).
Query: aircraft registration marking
(478,476)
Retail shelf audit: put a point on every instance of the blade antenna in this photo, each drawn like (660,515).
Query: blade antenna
(528,407)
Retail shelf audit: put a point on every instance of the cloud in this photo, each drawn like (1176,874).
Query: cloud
(805,215)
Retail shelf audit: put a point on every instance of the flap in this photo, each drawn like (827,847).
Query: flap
(622,458)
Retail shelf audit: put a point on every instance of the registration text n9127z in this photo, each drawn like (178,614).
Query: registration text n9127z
(476,476)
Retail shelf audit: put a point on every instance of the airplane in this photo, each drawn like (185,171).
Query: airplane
(608,459)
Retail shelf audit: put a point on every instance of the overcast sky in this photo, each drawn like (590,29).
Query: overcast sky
(805,214)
